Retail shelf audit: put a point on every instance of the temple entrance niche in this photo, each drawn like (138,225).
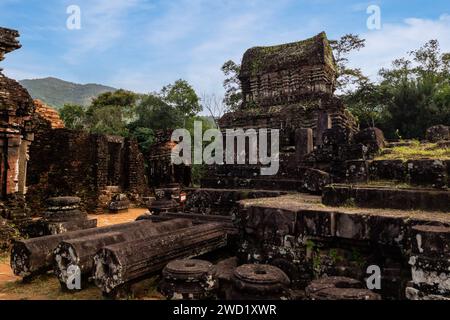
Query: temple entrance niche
(323,123)
(115,155)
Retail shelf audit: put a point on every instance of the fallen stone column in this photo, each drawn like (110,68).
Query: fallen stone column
(35,256)
(122,263)
(80,252)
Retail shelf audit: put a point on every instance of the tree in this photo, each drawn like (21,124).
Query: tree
(110,112)
(74,116)
(145,138)
(215,107)
(428,58)
(108,120)
(232,85)
(413,94)
(198,170)
(154,113)
(401,72)
(182,97)
(418,89)
(348,77)
(368,104)
(120,98)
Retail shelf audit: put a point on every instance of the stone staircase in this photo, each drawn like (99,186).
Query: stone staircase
(371,196)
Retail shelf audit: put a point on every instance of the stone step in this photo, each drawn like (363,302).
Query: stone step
(222,201)
(303,215)
(256,183)
(422,172)
(301,179)
(370,196)
(425,172)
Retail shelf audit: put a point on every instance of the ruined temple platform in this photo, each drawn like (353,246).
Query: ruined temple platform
(308,239)
(299,202)
(304,216)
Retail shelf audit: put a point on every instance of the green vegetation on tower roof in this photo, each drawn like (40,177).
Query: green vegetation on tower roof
(312,51)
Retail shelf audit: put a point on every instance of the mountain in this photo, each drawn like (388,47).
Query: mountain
(56,92)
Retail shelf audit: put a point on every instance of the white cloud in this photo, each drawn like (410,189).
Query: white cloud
(193,38)
(20,74)
(102,26)
(396,40)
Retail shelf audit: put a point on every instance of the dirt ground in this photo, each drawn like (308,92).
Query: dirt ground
(47,287)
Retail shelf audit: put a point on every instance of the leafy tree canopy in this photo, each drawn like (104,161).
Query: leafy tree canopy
(181,96)
(232,85)
(413,94)
(74,116)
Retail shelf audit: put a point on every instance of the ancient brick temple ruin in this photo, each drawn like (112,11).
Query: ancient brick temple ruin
(290,88)
(333,216)
(16,111)
(90,166)
(339,210)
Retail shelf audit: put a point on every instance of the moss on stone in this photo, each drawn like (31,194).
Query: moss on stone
(315,50)
(414,151)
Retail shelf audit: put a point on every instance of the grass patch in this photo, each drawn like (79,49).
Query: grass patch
(415,151)
(47,287)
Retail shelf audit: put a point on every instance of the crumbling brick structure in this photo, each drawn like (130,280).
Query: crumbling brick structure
(16,110)
(49,114)
(285,74)
(67,162)
(290,86)
(161,171)
(287,87)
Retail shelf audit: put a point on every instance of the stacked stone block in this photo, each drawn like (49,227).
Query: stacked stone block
(430,263)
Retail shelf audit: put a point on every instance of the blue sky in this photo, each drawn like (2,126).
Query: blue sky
(142,45)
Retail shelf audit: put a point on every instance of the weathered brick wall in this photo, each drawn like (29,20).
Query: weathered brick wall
(8,41)
(160,170)
(287,118)
(135,170)
(62,162)
(286,87)
(285,73)
(16,110)
(65,162)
